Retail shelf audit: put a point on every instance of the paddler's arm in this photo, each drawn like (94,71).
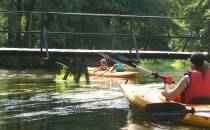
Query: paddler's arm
(97,69)
(172,94)
(113,68)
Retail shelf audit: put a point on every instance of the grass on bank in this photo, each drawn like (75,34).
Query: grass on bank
(166,65)
(176,68)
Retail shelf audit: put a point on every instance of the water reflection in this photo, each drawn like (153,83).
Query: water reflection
(37,105)
(48,104)
(110,82)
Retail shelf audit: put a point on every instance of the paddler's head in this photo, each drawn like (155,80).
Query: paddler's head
(198,61)
(103,61)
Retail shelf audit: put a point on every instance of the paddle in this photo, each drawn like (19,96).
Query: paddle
(115,57)
(169,111)
(103,73)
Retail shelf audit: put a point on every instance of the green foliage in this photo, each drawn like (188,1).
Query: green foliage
(196,9)
(181,65)
(197,26)
(176,68)
(158,65)
(64,68)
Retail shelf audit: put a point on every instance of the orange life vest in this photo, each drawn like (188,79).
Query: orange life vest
(199,86)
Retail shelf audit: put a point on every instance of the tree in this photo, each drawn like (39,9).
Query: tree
(196,9)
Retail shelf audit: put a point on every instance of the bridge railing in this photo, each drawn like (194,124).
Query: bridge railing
(43,33)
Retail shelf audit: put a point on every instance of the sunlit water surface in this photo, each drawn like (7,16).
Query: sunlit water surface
(31,101)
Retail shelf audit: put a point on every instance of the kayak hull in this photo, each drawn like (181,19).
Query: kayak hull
(126,74)
(141,95)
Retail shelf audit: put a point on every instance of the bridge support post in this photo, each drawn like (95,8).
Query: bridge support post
(133,37)
(44,35)
(135,45)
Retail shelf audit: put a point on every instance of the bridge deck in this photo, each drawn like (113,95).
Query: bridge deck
(35,52)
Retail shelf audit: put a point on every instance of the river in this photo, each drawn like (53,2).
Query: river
(35,100)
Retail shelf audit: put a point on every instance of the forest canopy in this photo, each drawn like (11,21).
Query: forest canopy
(151,33)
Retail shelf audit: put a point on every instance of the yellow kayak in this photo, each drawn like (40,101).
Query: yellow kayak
(141,95)
(125,74)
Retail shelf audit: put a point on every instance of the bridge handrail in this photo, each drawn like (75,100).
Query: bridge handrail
(97,15)
(110,34)
(43,14)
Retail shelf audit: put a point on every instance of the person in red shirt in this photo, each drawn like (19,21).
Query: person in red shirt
(195,84)
(103,66)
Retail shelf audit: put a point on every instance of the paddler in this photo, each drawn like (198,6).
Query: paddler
(118,67)
(103,66)
(194,87)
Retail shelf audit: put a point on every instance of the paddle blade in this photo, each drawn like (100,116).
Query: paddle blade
(167,111)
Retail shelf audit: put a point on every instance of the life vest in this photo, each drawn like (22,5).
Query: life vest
(119,67)
(199,86)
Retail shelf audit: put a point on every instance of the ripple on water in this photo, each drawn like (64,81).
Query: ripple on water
(44,97)
(11,102)
(72,102)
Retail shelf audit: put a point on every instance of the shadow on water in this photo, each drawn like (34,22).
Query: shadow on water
(39,102)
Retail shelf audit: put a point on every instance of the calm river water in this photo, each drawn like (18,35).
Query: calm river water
(36,101)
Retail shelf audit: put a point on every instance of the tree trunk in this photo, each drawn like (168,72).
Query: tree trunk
(113,42)
(185,46)
(11,36)
(19,17)
(29,20)
(27,36)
